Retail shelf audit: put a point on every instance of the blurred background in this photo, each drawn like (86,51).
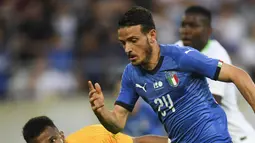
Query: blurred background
(50,48)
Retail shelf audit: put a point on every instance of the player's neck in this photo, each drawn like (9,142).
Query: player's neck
(155,57)
(202,46)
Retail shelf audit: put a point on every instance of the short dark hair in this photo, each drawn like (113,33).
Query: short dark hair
(35,126)
(200,10)
(138,15)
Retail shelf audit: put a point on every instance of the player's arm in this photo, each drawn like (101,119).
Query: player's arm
(193,61)
(241,79)
(151,139)
(115,120)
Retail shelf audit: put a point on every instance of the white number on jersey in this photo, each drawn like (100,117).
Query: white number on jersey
(164,101)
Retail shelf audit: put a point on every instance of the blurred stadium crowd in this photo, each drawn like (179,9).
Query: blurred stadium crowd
(54,46)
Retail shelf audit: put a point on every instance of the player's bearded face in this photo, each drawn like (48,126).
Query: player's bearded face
(135,44)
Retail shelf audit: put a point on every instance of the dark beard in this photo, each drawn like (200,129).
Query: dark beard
(148,53)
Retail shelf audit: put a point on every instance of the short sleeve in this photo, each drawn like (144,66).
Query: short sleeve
(191,60)
(215,50)
(127,96)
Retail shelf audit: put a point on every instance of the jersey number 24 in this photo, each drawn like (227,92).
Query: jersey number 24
(164,101)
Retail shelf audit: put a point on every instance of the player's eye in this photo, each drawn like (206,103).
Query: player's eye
(134,40)
(53,140)
(193,25)
(190,25)
(184,24)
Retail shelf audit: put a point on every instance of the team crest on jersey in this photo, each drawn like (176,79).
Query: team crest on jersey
(172,78)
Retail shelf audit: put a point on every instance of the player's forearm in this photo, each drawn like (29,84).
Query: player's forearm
(109,120)
(245,85)
(151,139)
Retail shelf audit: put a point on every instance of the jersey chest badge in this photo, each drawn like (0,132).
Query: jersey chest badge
(172,78)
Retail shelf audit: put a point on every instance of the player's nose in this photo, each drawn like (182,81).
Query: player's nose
(128,48)
(186,30)
(186,34)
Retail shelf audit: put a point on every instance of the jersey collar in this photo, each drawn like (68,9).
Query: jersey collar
(208,44)
(161,59)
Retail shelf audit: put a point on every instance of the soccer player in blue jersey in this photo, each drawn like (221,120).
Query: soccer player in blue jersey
(172,80)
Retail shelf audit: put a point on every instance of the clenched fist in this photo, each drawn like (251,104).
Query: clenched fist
(96,97)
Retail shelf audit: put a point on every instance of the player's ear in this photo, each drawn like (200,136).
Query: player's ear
(62,136)
(152,36)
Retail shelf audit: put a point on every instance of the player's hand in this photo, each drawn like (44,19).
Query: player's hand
(96,97)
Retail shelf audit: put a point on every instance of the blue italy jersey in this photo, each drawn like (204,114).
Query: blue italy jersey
(178,92)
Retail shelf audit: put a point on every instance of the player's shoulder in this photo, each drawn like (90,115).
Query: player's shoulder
(216,50)
(175,52)
(216,46)
(91,128)
(94,126)
(173,49)
(129,70)
(92,133)
(179,43)
(129,67)
(88,131)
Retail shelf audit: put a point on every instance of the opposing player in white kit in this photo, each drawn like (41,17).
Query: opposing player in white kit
(195,31)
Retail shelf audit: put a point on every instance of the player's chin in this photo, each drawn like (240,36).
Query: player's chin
(187,42)
(135,62)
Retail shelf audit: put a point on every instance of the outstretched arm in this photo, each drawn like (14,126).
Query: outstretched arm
(151,139)
(241,79)
(114,121)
